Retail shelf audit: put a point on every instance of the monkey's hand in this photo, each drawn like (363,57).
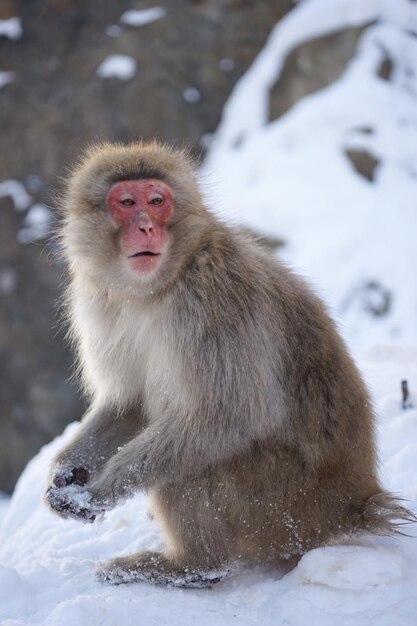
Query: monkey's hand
(58,496)
(73,501)
(111,487)
(65,476)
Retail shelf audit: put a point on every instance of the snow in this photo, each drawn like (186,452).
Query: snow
(142,17)
(47,564)
(6,78)
(17,192)
(117,66)
(113,30)
(355,241)
(290,178)
(11,28)
(34,183)
(36,224)
(37,221)
(191,95)
(4,499)
(332,567)
(227,65)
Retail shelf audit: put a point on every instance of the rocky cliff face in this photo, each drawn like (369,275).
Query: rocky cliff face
(179,71)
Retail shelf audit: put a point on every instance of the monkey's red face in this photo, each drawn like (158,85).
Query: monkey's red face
(141,208)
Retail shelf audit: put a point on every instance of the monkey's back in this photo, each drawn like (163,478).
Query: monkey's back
(252,325)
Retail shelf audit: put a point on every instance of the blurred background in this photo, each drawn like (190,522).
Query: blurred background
(303,116)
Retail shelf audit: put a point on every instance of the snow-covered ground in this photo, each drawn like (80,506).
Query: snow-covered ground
(356,241)
(47,564)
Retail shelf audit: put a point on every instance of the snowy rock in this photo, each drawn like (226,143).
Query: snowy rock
(113,30)
(11,28)
(352,233)
(36,224)
(8,282)
(4,499)
(35,184)
(191,95)
(227,65)
(142,17)
(17,192)
(205,140)
(6,78)
(117,66)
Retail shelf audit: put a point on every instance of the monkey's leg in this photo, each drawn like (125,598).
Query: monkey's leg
(155,568)
(199,544)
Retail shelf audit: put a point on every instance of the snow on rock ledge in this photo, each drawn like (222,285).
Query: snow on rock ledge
(142,17)
(36,224)
(17,192)
(6,78)
(11,28)
(117,66)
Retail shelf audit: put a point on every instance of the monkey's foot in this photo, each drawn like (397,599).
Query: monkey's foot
(74,502)
(153,567)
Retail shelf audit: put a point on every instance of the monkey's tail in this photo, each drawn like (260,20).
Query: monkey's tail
(384,514)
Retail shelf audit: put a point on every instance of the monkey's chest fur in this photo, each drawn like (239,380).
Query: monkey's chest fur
(130,353)
(127,354)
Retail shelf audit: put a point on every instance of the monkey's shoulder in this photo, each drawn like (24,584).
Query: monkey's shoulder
(234,270)
(236,287)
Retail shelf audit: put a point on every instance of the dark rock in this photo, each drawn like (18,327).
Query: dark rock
(370,296)
(312,66)
(364,130)
(364,163)
(385,68)
(406,404)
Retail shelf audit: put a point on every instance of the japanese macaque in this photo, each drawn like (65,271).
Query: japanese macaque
(218,382)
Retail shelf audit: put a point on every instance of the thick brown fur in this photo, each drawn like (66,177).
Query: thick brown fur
(220,385)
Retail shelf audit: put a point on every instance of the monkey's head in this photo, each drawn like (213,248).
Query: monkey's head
(132,216)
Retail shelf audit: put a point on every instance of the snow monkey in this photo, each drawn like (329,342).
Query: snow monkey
(218,382)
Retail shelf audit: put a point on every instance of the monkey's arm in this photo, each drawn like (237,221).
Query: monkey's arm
(164,452)
(98,437)
(101,432)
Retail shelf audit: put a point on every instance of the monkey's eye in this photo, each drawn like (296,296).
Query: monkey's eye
(156,200)
(127,202)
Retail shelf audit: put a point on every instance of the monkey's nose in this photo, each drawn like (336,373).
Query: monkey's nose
(145,224)
(147,229)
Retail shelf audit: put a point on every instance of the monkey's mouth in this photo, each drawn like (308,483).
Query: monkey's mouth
(144,253)
(144,262)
